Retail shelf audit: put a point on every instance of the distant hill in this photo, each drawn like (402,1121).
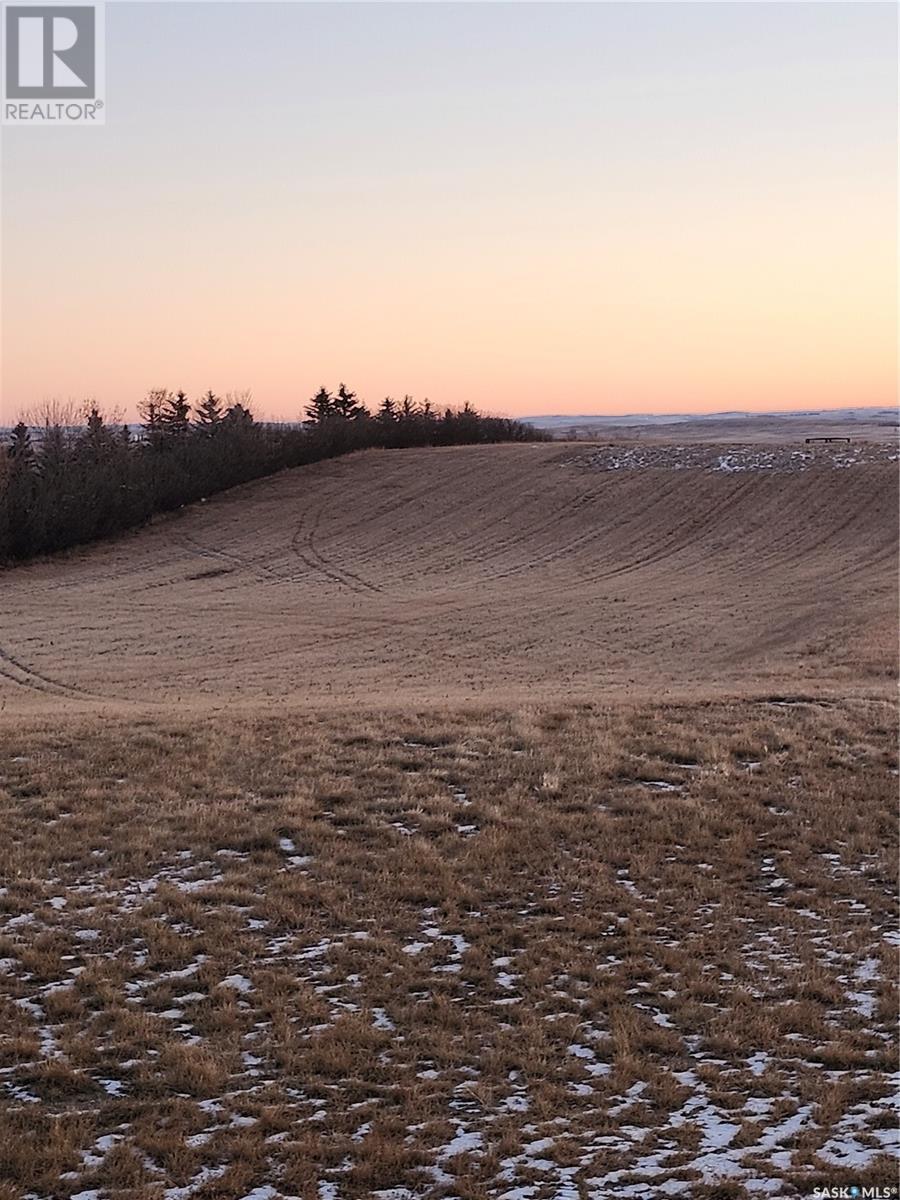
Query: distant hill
(872,423)
(562,421)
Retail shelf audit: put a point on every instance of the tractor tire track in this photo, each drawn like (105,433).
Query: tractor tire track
(304,544)
(17,672)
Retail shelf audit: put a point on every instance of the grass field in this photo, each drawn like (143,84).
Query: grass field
(539,843)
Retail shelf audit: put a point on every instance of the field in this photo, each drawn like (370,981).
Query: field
(498,574)
(486,822)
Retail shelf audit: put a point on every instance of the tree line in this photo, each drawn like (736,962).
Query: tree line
(63,484)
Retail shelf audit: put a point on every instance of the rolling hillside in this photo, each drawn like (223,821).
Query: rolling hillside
(510,573)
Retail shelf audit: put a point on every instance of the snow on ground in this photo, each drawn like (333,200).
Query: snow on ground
(737,458)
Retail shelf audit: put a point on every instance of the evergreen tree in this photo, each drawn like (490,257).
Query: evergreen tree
(387,413)
(320,408)
(209,414)
(97,436)
(21,448)
(151,410)
(55,454)
(175,416)
(347,406)
(468,425)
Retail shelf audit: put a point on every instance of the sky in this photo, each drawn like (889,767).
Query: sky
(533,208)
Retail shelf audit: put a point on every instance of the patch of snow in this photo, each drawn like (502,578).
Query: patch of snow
(463,1143)
(758,1062)
(240,983)
(382,1020)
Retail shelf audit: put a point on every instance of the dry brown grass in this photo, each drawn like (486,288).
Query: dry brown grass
(449,954)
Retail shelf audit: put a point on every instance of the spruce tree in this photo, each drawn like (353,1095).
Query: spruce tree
(387,413)
(21,447)
(175,416)
(97,436)
(320,408)
(151,410)
(209,415)
(347,406)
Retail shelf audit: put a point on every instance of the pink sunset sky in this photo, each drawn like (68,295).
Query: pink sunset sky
(533,208)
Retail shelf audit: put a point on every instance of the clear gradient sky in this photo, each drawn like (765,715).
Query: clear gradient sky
(611,207)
